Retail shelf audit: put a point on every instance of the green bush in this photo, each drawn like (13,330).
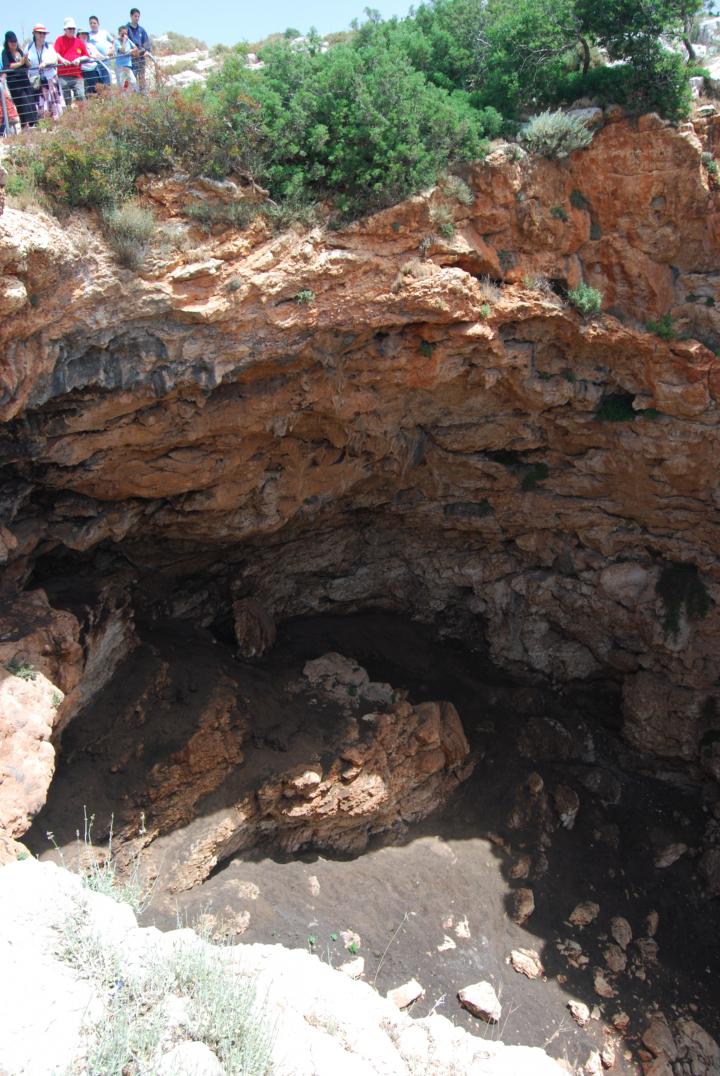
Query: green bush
(586,299)
(658,83)
(359,127)
(554,135)
(96,153)
(382,114)
(663,327)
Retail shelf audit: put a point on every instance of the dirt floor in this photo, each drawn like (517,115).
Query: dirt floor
(432,902)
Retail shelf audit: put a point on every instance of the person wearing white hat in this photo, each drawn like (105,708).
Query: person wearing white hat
(42,72)
(71,50)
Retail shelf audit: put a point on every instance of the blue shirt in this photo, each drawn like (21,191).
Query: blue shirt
(122,53)
(139,37)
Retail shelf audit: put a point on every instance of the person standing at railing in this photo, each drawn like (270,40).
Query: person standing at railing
(104,43)
(42,72)
(71,50)
(15,66)
(142,47)
(123,61)
(90,68)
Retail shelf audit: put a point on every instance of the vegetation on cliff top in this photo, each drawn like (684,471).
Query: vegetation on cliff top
(382,113)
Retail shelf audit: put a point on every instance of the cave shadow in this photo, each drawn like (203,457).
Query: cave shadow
(434,901)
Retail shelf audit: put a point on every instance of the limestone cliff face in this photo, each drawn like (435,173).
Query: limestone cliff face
(413,436)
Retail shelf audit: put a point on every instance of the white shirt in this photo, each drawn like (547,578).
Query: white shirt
(103,41)
(37,56)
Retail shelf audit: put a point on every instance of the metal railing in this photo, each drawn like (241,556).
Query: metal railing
(8,128)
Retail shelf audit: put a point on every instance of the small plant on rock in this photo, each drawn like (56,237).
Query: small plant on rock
(442,218)
(305,297)
(99,870)
(663,327)
(457,188)
(490,289)
(554,135)
(559,212)
(22,669)
(586,299)
(129,229)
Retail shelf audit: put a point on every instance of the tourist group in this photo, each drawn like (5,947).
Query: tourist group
(41,79)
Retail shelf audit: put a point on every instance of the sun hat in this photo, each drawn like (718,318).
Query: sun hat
(39,29)
(69,23)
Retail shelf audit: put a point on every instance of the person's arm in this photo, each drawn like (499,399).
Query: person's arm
(50,57)
(62,60)
(14,65)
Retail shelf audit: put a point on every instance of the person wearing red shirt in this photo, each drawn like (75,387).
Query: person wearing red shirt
(71,50)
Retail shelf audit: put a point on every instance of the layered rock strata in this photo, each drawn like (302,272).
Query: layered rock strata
(384,417)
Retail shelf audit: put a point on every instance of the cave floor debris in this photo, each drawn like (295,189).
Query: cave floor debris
(557,806)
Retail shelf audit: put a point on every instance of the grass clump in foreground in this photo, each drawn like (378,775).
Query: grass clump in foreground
(98,868)
(220,1002)
(554,135)
(586,299)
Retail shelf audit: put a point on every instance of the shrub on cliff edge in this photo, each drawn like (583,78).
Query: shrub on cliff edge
(95,153)
(586,299)
(554,135)
(358,127)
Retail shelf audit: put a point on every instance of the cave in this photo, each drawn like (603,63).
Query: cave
(372,627)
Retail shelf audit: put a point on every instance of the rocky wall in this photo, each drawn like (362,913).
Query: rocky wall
(383,416)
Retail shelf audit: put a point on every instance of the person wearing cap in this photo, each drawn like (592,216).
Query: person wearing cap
(15,68)
(71,50)
(142,47)
(104,43)
(89,68)
(42,72)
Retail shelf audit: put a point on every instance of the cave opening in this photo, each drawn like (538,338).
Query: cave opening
(205,765)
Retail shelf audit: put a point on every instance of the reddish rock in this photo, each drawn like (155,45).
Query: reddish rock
(394,444)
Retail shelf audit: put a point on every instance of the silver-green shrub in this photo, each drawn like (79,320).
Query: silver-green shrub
(554,135)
